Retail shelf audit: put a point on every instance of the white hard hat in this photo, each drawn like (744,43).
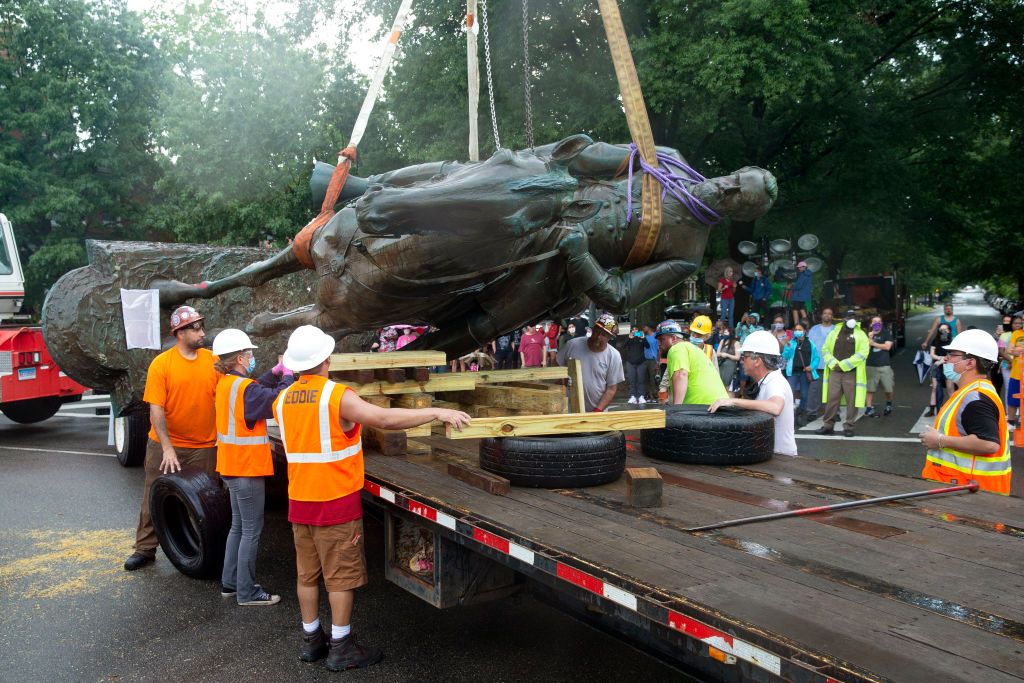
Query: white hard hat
(231,340)
(308,347)
(977,343)
(761,341)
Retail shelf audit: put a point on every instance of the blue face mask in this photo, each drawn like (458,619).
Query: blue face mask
(797,334)
(252,364)
(696,340)
(951,374)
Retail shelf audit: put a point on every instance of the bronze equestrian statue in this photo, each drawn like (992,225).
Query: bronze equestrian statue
(478,249)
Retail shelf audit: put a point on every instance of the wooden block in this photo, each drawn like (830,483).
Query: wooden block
(577,404)
(536,401)
(379,401)
(397,359)
(417,374)
(422,430)
(541,386)
(450,405)
(442,382)
(491,411)
(353,376)
(643,487)
(418,451)
(521,375)
(438,428)
(391,375)
(386,441)
(486,481)
(413,401)
(570,423)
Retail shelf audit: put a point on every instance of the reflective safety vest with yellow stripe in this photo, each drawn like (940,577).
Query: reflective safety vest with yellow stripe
(241,452)
(858,362)
(992,470)
(324,463)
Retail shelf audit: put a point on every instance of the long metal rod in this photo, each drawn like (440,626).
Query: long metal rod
(971,487)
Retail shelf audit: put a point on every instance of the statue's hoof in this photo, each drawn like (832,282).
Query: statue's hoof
(173,292)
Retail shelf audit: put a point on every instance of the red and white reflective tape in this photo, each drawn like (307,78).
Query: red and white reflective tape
(725,642)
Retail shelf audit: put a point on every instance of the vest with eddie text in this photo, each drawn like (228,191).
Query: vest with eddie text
(241,452)
(324,463)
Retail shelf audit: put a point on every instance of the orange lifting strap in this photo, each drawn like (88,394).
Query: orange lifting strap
(302,241)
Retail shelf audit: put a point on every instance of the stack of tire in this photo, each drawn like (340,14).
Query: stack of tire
(694,436)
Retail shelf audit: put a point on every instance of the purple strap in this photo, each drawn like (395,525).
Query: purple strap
(673,183)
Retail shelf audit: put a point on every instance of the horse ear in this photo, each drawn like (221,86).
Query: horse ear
(569,148)
(581,210)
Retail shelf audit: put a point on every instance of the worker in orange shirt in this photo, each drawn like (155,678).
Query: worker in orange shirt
(244,458)
(321,425)
(180,387)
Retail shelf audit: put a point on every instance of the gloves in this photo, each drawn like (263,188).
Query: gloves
(280,370)
(597,410)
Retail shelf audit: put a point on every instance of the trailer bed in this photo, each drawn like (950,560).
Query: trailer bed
(924,590)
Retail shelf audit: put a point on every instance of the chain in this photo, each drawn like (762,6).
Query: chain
(526,73)
(490,78)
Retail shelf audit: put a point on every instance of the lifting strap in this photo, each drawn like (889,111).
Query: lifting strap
(639,130)
(301,245)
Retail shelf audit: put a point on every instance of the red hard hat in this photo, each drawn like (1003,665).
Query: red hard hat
(184,316)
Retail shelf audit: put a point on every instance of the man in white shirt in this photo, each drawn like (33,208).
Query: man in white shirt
(761,359)
(818,334)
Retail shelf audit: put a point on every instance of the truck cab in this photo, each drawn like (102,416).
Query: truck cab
(12,279)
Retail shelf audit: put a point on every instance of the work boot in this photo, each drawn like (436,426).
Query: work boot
(828,431)
(137,561)
(314,645)
(346,653)
(931,412)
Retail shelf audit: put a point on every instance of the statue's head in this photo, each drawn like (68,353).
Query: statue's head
(743,195)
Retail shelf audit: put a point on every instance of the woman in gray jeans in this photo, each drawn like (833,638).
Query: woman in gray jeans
(244,458)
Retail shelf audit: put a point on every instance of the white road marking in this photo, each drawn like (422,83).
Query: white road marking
(50,450)
(922,423)
(817,424)
(840,438)
(62,413)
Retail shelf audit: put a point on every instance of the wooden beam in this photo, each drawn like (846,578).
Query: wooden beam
(500,396)
(385,441)
(491,483)
(392,375)
(520,375)
(577,403)
(442,382)
(397,359)
(422,430)
(540,386)
(539,425)
(413,401)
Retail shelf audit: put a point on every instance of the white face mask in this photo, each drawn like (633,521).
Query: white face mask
(851,323)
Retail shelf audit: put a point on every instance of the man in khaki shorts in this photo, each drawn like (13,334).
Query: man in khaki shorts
(879,367)
(321,424)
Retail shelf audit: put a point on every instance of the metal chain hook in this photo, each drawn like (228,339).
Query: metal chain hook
(490,78)
(526,73)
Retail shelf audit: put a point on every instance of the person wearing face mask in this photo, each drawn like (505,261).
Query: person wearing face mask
(243,407)
(941,387)
(818,334)
(845,353)
(728,359)
(801,358)
(879,367)
(1013,356)
(692,377)
(970,440)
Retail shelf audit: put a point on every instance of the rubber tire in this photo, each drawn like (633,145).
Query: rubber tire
(31,410)
(192,516)
(694,436)
(571,461)
(131,436)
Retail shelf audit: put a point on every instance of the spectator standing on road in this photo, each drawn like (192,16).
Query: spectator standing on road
(801,292)
(243,407)
(801,357)
(652,358)
(579,326)
(759,354)
(692,377)
(551,331)
(531,348)
(728,359)
(181,384)
(601,364)
(321,426)
(727,295)
(845,352)
(1014,352)
(636,366)
(779,331)
(970,439)
(946,318)
(818,334)
(879,367)
(941,387)
(760,289)
(502,350)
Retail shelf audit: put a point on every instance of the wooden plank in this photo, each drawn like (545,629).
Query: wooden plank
(398,359)
(379,400)
(537,425)
(520,375)
(422,430)
(353,376)
(485,481)
(541,386)
(417,374)
(442,382)
(577,404)
(413,401)
(390,375)
(450,405)
(537,402)
(418,451)
(385,441)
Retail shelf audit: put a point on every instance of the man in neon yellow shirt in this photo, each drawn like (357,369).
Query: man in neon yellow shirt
(693,378)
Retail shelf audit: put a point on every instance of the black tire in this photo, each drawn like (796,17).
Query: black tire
(192,516)
(131,436)
(31,410)
(694,436)
(571,461)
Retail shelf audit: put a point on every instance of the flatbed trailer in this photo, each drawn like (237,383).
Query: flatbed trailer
(925,590)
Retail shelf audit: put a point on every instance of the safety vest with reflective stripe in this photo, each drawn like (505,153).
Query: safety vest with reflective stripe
(323,462)
(991,471)
(858,362)
(241,452)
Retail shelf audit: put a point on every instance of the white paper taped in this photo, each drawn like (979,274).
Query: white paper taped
(141,311)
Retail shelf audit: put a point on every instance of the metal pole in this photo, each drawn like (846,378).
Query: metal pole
(972,487)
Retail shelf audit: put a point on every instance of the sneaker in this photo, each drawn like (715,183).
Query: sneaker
(138,561)
(347,653)
(226,592)
(828,431)
(931,412)
(262,597)
(641,400)
(632,400)
(314,645)
(888,410)
(870,412)
(847,432)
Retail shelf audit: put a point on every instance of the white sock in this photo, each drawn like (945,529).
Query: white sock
(339,632)
(311,627)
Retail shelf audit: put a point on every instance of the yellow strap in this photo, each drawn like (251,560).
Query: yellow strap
(639,130)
